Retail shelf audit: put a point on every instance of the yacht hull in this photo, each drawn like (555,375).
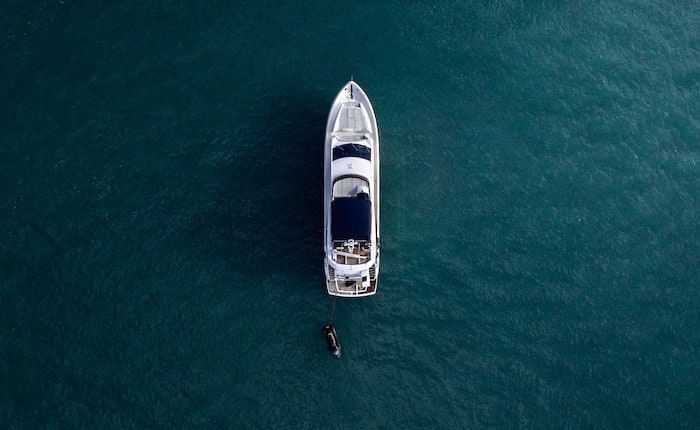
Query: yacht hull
(351,195)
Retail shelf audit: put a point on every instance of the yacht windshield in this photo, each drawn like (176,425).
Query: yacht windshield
(352,150)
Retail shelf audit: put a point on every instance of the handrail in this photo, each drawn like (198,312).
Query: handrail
(348,254)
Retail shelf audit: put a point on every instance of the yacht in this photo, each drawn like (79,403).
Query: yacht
(351,195)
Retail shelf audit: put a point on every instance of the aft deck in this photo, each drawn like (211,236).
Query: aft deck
(350,254)
(351,287)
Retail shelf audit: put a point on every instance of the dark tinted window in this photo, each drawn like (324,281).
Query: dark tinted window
(352,150)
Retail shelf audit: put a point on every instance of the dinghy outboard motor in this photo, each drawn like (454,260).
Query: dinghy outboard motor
(332,340)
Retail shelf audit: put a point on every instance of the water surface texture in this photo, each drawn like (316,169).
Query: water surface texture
(161,215)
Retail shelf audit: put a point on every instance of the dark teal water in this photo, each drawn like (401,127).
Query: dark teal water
(161,244)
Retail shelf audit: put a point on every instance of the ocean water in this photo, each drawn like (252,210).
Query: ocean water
(161,215)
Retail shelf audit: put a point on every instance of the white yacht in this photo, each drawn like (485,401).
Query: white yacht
(351,195)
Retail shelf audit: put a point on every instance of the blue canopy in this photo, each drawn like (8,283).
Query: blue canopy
(351,218)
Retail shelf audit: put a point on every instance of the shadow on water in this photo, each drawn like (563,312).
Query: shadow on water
(267,216)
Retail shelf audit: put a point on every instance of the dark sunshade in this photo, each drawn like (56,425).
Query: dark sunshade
(351,218)
(352,150)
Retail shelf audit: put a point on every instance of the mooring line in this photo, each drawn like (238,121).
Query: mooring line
(333,309)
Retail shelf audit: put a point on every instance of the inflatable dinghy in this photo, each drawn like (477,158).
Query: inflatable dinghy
(332,340)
